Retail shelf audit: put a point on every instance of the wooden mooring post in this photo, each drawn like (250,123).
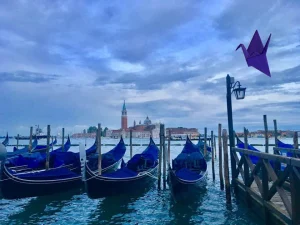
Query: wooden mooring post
(212,158)
(169,148)
(160,155)
(295,140)
(99,149)
(130,138)
(226,168)
(48,147)
(18,141)
(266,134)
(30,139)
(220,157)
(164,158)
(63,139)
(205,141)
(215,146)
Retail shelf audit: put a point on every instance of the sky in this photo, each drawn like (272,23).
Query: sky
(72,63)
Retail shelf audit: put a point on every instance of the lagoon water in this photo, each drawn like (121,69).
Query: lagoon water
(149,206)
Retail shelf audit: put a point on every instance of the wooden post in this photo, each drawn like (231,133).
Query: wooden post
(212,153)
(164,158)
(295,195)
(205,141)
(18,137)
(160,155)
(226,168)
(99,150)
(220,157)
(51,143)
(277,165)
(63,139)
(246,168)
(266,134)
(130,143)
(295,139)
(48,147)
(30,140)
(215,146)
(169,148)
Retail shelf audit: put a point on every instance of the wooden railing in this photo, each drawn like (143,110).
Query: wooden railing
(262,179)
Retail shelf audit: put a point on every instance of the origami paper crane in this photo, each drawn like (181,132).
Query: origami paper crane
(256,54)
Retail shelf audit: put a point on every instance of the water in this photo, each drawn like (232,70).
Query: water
(148,207)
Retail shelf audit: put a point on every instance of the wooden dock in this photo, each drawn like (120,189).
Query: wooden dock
(272,192)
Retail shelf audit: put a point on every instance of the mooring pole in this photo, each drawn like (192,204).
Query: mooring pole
(63,139)
(220,157)
(213,153)
(226,168)
(266,134)
(295,140)
(246,167)
(52,143)
(130,139)
(18,137)
(48,147)
(160,155)
(275,133)
(164,158)
(169,148)
(99,150)
(205,141)
(215,145)
(30,139)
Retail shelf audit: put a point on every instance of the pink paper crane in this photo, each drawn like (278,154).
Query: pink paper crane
(256,54)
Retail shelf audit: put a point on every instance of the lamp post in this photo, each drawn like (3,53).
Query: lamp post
(239,94)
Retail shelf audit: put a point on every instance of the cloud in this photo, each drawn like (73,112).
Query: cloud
(72,64)
(26,76)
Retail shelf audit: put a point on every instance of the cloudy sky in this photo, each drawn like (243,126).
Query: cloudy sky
(72,63)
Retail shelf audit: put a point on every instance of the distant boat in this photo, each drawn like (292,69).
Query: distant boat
(33,137)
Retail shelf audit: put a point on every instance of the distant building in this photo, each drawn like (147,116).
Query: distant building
(181,132)
(140,130)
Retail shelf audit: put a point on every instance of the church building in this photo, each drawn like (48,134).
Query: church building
(141,130)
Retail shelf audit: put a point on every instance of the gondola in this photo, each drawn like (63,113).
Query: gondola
(44,147)
(133,175)
(24,150)
(67,176)
(6,140)
(200,146)
(241,144)
(284,145)
(188,170)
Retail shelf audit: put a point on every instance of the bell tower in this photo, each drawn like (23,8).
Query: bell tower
(124,117)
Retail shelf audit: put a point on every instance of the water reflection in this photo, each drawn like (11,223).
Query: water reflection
(184,206)
(43,206)
(114,209)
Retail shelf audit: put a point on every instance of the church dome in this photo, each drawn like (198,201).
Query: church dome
(147,121)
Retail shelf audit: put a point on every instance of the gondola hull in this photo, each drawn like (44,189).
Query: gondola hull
(178,185)
(13,187)
(99,186)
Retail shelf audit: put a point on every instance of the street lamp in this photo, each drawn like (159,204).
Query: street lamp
(239,94)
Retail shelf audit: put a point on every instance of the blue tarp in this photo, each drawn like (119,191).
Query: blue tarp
(108,158)
(186,174)
(139,162)
(190,159)
(283,145)
(53,174)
